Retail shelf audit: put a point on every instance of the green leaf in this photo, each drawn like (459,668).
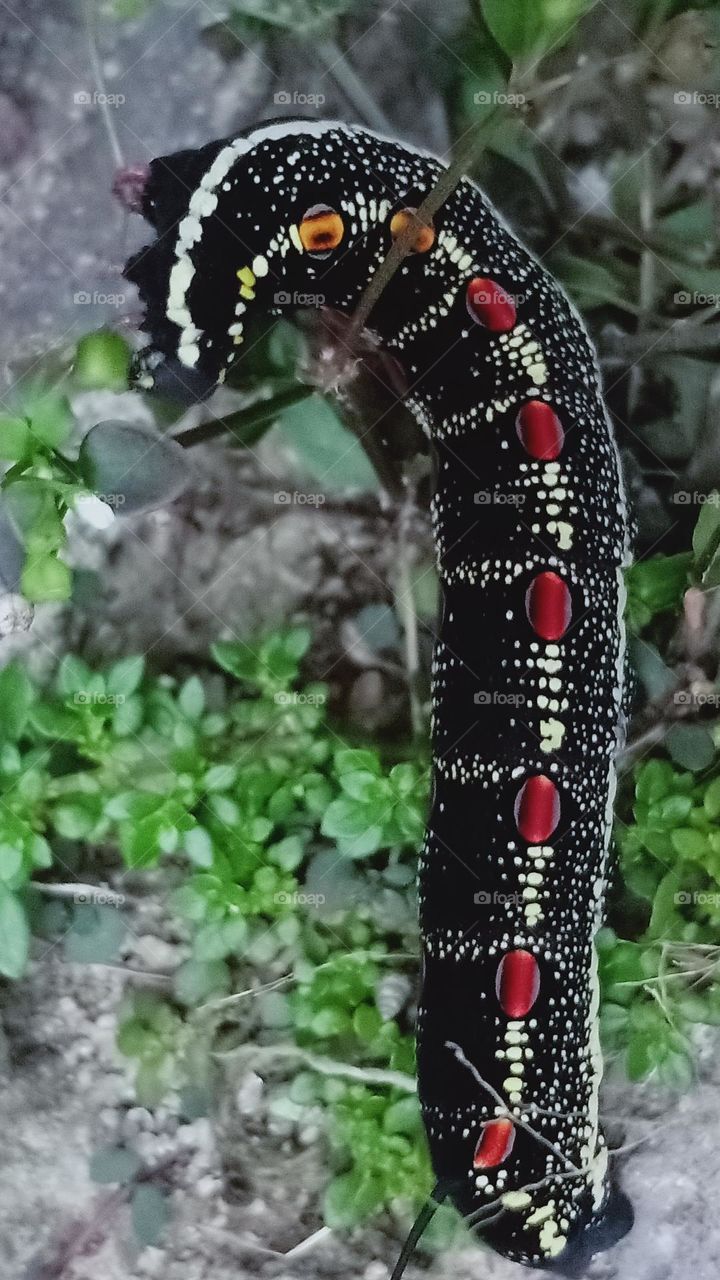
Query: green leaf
(124,676)
(51,722)
(691,746)
(220,777)
(711,800)
(11,861)
(114,1164)
(656,586)
(591,284)
(102,360)
(346,818)
(528,28)
(16,695)
(14,935)
(96,935)
(238,660)
(51,418)
(690,844)
(340,1208)
(73,676)
(128,715)
(403,1116)
(191,698)
(150,1212)
(287,853)
(706,542)
(706,534)
(75,821)
(198,847)
(195,980)
(657,678)
(131,467)
(44,579)
(330,457)
(350,761)
(16,440)
(304,19)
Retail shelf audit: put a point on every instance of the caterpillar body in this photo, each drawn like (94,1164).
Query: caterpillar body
(528,675)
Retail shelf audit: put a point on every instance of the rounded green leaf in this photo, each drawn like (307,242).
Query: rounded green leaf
(15,438)
(131,467)
(45,578)
(114,1164)
(14,934)
(691,746)
(102,360)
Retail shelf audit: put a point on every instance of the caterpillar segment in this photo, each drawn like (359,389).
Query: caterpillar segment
(528,675)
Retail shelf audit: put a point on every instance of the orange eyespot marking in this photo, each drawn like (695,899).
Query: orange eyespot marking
(424,238)
(321,230)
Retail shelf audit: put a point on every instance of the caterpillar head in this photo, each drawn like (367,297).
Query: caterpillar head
(257,225)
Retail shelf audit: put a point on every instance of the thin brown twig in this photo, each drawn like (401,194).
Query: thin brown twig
(448,180)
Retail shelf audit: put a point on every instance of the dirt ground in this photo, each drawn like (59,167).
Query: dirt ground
(242,1190)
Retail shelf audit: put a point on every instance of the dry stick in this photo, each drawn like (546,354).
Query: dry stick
(97,71)
(478,1217)
(650,738)
(465,1062)
(444,187)
(406,608)
(684,336)
(647,271)
(323,1066)
(77,892)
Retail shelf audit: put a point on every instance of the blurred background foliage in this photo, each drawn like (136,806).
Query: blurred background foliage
(284,830)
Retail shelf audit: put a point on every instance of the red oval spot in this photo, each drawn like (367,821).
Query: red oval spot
(548,606)
(537,809)
(517,983)
(490,305)
(494,1144)
(540,430)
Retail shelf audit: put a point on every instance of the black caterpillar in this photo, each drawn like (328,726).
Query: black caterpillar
(532,538)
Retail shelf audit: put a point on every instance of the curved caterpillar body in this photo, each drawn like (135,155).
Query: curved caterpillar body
(532,537)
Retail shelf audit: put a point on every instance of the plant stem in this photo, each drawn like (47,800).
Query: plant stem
(444,187)
(97,71)
(261,1054)
(408,618)
(242,424)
